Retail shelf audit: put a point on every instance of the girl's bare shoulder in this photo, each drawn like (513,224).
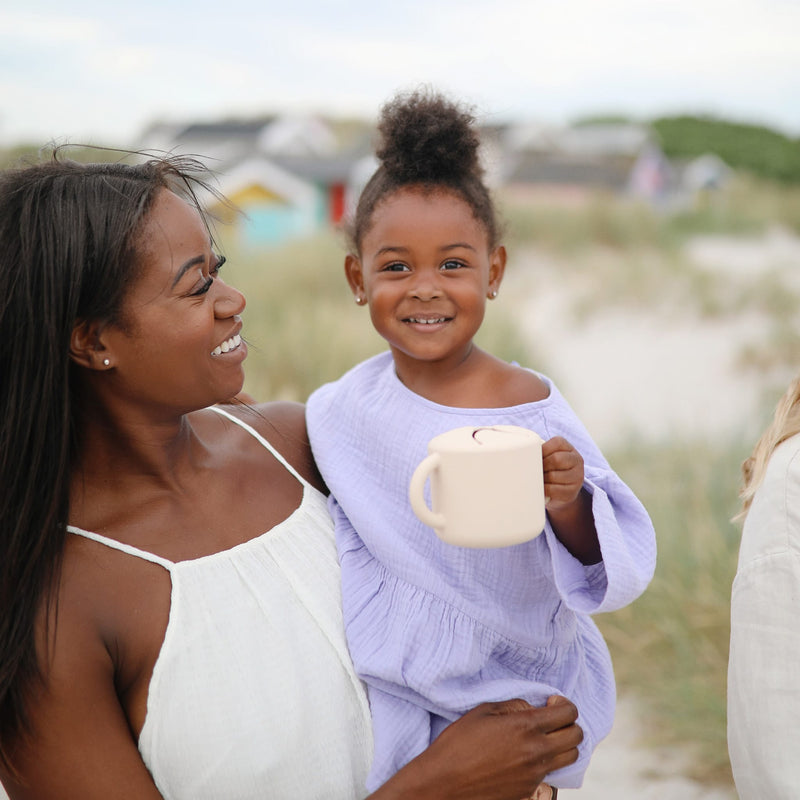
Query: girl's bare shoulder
(516,386)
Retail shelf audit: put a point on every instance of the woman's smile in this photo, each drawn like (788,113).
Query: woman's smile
(227,346)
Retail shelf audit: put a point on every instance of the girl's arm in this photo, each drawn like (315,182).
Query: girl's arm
(569,505)
(498,751)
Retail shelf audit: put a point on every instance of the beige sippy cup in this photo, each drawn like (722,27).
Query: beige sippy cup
(487,487)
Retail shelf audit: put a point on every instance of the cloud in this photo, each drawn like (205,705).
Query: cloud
(108,70)
(26,29)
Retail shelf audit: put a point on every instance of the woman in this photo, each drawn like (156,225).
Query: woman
(763,694)
(154,640)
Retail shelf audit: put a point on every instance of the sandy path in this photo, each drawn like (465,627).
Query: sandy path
(623,767)
(647,371)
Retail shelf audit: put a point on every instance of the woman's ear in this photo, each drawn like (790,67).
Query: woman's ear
(86,346)
(355,277)
(497,268)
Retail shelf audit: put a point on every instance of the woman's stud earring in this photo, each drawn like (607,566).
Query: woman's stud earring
(106,362)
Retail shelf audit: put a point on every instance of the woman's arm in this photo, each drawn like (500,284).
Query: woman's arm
(498,751)
(80,746)
(763,694)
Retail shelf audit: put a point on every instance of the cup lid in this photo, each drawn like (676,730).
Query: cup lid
(472,438)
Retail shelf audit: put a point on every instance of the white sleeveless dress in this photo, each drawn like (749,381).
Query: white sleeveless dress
(253,694)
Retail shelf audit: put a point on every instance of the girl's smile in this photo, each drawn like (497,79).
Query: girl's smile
(430,324)
(426,271)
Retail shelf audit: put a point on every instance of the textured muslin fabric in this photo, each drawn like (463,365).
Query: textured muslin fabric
(254,694)
(435,629)
(763,689)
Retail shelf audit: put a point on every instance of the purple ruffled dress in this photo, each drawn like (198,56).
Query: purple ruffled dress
(435,629)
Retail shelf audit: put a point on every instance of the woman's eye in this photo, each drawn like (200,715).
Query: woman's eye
(218,266)
(207,281)
(204,288)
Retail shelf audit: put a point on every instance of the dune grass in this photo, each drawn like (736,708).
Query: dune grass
(670,647)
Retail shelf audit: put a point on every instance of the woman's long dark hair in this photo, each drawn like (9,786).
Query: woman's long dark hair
(69,241)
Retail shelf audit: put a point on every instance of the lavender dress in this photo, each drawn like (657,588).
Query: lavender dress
(436,629)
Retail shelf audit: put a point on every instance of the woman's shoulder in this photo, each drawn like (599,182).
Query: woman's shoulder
(282,423)
(771,526)
(782,476)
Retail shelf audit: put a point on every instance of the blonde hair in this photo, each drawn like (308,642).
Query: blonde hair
(785,424)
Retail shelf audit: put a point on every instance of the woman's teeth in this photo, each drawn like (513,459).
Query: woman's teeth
(227,346)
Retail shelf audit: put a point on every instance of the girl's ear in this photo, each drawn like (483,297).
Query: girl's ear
(86,345)
(497,268)
(355,277)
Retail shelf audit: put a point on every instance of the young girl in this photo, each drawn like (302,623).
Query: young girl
(435,628)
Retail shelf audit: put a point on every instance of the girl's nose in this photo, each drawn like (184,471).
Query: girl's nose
(426,287)
(229,300)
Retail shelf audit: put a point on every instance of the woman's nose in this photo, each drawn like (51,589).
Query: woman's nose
(229,300)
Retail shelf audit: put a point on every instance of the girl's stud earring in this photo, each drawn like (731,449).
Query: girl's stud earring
(360,300)
(106,362)
(493,294)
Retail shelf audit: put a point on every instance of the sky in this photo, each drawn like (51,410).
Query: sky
(94,71)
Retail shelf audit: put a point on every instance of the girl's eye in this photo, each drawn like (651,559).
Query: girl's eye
(395,266)
(452,265)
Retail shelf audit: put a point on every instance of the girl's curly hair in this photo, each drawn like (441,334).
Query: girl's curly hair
(430,142)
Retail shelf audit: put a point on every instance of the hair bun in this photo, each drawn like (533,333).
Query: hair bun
(426,138)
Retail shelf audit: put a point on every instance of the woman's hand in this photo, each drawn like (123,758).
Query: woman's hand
(497,751)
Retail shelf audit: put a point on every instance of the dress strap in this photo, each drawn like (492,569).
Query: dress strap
(125,548)
(256,435)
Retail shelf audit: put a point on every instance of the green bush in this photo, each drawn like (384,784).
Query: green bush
(757,149)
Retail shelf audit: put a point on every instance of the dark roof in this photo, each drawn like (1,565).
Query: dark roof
(226,129)
(609,173)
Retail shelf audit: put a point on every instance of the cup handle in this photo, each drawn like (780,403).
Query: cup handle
(416,492)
